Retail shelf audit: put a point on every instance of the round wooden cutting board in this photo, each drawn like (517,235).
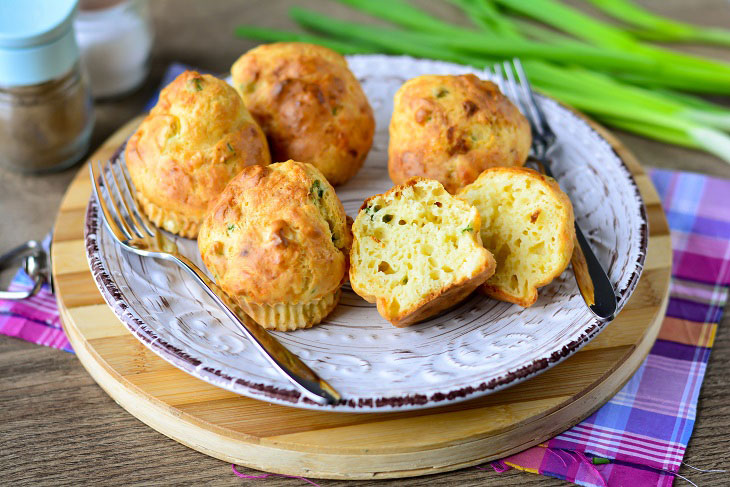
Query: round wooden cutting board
(340,445)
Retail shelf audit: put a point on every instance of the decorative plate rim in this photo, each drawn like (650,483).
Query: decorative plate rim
(292,397)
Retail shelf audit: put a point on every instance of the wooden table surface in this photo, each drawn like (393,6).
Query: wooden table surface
(58,427)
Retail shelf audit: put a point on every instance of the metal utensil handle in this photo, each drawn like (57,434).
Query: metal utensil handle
(282,359)
(604,298)
(593,282)
(34,262)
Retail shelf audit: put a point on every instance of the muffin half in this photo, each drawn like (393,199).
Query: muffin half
(309,104)
(527,223)
(276,241)
(197,137)
(451,128)
(417,251)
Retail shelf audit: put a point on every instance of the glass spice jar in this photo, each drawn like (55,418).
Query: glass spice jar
(46,111)
(115,38)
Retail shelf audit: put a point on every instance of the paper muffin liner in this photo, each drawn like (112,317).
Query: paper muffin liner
(169,220)
(289,317)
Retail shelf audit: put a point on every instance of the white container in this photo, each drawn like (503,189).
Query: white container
(115,39)
(46,111)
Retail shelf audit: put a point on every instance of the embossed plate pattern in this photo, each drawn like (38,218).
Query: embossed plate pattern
(472,350)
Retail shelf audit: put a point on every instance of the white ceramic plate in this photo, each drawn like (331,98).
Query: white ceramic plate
(472,350)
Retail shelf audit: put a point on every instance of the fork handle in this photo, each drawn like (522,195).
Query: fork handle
(306,380)
(593,282)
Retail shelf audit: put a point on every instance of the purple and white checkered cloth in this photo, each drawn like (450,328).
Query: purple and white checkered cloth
(34,319)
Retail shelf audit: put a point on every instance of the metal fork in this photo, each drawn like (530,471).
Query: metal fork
(134,232)
(594,285)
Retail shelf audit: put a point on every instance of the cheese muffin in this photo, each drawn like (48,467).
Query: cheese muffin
(197,137)
(527,223)
(451,128)
(276,241)
(309,104)
(417,251)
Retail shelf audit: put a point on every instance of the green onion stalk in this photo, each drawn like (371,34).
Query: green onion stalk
(477,44)
(582,26)
(484,14)
(663,115)
(648,25)
(670,69)
(573,79)
(662,66)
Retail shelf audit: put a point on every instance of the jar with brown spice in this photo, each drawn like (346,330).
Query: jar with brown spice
(46,111)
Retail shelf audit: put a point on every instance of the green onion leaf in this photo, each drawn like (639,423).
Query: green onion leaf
(655,27)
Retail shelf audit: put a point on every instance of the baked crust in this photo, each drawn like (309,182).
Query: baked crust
(435,301)
(197,137)
(309,104)
(451,128)
(170,220)
(276,240)
(290,317)
(444,299)
(563,226)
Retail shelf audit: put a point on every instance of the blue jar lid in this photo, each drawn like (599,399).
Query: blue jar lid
(36,40)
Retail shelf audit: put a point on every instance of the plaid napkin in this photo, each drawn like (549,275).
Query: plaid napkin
(639,437)
(34,319)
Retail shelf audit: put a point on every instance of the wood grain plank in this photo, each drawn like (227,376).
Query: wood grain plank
(69,225)
(556,382)
(78,193)
(658,253)
(171,385)
(69,257)
(128,356)
(622,335)
(658,225)
(431,429)
(646,188)
(79,288)
(647,295)
(98,321)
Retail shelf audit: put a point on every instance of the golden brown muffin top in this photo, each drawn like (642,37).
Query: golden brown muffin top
(197,137)
(450,128)
(309,104)
(277,234)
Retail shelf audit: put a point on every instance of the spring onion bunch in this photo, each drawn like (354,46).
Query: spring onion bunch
(648,25)
(596,67)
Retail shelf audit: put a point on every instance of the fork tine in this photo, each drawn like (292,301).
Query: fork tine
(530,97)
(138,214)
(515,96)
(119,216)
(511,83)
(132,221)
(109,219)
(495,71)
(537,146)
